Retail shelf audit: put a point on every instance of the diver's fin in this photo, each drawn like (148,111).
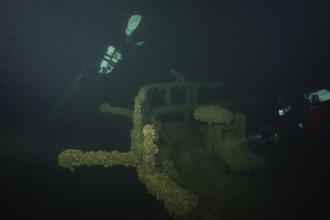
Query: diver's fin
(132,24)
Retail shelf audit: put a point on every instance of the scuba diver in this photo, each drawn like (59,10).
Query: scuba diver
(307,115)
(316,116)
(113,55)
